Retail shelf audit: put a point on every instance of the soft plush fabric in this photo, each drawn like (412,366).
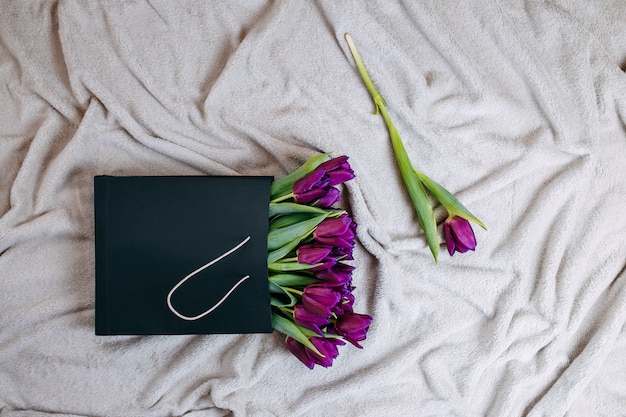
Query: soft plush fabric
(519,108)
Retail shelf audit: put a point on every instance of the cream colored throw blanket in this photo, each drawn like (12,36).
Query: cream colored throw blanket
(519,108)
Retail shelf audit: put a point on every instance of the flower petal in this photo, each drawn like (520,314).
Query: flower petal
(340,176)
(299,351)
(312,254)
(314,179)
(447,232)
(333,163)
(331,197)
(309,196)
(308,319)
(338,275)
(333,227)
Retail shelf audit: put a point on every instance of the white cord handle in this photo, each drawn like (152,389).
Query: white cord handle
(203,267)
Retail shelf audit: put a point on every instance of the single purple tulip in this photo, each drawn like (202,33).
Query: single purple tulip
(317,187)
(310,253)
(305,318)
(311,187)
(338,170)
(321,299)
(340,232)
(353,327)
(328,348)
(459,235)
(326,256)
(299,351)
(339,274)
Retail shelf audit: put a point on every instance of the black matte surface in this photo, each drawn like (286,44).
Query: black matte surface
(153,231)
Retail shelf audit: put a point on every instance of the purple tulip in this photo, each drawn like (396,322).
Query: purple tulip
(325,255)
(299,351)
(339,274)
(339,232)
(459,235)
(338,170)
(326,346)
(317,187)
(321,299)
(310,253)
(305,318)
(353,327)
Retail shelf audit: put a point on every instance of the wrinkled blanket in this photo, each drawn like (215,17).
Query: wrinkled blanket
(518,108)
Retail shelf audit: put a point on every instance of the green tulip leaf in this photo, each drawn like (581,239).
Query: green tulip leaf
(292,280)
(280,237)
(294,208)
(280,297)
(281,221)
(283,251)
(291,329)
(448,200)
(290,266)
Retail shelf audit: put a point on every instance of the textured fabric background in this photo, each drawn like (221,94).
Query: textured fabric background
(519,108)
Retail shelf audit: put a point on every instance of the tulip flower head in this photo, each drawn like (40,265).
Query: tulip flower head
(322,256)
(340,232)
(339,274)
(353,327)
(459,235)
(306,318)
(317,187)
(321,299)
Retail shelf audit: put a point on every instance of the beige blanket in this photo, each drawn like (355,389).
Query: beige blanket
(519,108)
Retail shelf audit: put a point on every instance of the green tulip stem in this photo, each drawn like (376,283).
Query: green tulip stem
(293,291)
(287,310)
(289,260)
(378,100)
(283,198)
(415,188)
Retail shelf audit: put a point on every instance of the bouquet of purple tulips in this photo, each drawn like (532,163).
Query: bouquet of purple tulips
(311,289)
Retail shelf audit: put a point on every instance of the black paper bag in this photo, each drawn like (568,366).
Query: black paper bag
(168,249)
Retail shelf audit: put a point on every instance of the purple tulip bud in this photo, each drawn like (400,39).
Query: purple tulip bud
(299,351)
(312,180)
(338,170)
(340,232)
(308,319)
(324,255)
(328,348)
(339,274)
(311,196)
(320,299)
(353,327)
(459,235)
(311,254)
(317,187)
